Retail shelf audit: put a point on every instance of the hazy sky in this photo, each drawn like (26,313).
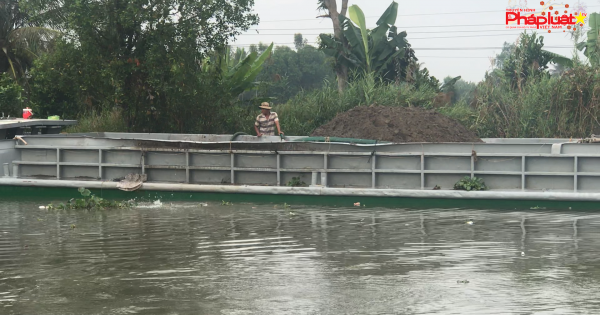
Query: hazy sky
(431,25)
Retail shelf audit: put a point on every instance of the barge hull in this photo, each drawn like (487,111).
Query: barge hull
(59,190)
(406,175)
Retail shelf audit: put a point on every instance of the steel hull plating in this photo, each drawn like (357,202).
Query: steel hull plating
(513,169)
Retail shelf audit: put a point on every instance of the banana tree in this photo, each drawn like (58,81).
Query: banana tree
(378,50)
(528,58)
(448,86)
(591,47)
(239,72)
(225,60)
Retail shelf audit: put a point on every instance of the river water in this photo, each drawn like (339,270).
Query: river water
(191,258)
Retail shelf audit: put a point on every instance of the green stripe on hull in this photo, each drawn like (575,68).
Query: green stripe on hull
(58,194)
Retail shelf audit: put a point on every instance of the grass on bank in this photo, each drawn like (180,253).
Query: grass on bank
(545,107)
(107,121)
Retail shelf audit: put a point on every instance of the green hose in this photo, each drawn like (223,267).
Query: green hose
(235,135)
(322,139)
(336,139)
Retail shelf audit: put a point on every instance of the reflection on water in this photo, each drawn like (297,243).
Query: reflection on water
(257,259)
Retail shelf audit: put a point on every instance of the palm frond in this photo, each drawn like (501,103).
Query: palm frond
(53,16)
(12,67)
(321,6)
(35,39)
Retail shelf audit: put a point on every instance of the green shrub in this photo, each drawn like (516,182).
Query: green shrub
(467,183)
(11,96)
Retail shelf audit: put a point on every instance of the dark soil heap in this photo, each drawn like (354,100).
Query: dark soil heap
(396,124)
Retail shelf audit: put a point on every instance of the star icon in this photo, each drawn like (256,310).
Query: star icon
(580,18)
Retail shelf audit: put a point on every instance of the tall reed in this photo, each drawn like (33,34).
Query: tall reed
(545,107)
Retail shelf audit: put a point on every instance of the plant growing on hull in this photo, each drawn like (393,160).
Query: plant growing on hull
(296,182)
(469,184)
(90,202)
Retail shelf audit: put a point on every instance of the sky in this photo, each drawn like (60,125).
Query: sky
(451,38)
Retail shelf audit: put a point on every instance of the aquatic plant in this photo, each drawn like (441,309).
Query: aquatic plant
(467,183)
(90,202)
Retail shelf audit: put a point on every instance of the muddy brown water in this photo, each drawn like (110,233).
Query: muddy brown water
(264,259)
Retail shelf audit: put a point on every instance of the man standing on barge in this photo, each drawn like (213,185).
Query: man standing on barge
(266,121)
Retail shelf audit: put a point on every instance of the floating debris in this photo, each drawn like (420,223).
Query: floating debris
(132,182)
(357,204)
(470,222)
(462,281)
(537,208)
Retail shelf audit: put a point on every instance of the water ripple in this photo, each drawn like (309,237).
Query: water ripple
(257,259)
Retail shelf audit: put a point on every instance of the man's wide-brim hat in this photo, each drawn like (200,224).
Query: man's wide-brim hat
(265,105)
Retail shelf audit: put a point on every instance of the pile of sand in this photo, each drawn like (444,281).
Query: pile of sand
(396,124)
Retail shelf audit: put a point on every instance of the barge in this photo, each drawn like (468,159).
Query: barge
(519,173)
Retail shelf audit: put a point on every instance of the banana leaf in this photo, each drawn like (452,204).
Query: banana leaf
(389,16)
(590,46)
(558,59)
(357,16)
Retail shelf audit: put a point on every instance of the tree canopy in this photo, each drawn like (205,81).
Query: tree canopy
(142,57)
(290,71)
